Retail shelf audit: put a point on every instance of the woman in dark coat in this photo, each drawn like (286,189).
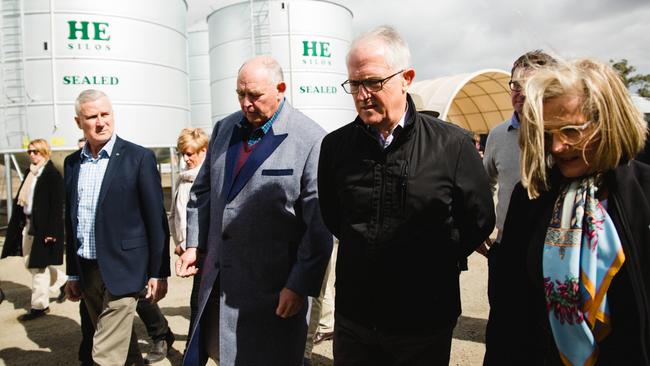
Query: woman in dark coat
(573,269)
(35,229)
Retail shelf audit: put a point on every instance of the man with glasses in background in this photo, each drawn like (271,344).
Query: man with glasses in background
(501,157)
(406,195)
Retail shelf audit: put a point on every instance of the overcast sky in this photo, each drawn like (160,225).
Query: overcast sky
(448,37)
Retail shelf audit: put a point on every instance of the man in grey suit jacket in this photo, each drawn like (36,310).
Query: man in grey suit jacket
(254,213)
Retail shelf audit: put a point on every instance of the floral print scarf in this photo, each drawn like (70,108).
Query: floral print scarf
(582,254)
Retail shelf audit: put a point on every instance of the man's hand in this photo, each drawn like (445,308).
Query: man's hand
(290,303)
(178,250)
(156,289)
(73,290)
(484,248)
(186,263)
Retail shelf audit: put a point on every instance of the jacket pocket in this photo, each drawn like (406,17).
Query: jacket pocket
(277,172)
(128,244)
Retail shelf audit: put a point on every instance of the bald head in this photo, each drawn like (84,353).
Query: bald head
(260,89)
(267,64)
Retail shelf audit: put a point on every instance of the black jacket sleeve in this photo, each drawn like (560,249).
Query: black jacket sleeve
(328,199)
(472,204)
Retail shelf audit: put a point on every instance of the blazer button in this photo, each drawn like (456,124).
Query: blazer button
(225,236)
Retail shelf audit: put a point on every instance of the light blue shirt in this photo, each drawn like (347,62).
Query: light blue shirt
(514,122)
(385,142)
(91,175)
(259,132)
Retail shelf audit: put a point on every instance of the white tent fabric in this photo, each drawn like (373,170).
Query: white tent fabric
(642,103)
(475,101)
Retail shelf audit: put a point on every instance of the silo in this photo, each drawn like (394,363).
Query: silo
(199,68)
(135,51)
(309,38)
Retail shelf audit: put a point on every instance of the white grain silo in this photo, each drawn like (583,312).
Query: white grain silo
(135,51)
(199,68)
(309,38)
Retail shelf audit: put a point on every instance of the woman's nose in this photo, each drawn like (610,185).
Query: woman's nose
(558,145)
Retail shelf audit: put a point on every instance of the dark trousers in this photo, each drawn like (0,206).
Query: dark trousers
(357,345)
(492,259)
(153,319)
(87,332)
(194,304)
(490,333)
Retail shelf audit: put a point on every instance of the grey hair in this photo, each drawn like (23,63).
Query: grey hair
(271,65)
(396,50)
(88,95)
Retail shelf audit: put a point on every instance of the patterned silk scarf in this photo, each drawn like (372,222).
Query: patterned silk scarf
(582,254)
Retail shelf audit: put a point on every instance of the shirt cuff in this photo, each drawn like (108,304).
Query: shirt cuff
(159,279)
(73,278)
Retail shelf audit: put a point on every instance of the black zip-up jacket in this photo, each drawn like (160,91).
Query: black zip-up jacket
(406,218)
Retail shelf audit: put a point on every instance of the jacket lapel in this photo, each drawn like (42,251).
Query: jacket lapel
(74,192)
(232,154)
(262,151)
(114,162)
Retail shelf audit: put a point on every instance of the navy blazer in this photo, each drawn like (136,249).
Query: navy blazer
(131,230)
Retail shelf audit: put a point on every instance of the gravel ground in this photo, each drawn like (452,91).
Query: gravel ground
(53,339)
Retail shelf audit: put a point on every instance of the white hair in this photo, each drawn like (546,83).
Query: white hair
(88,95)
(396,50)
(271,65)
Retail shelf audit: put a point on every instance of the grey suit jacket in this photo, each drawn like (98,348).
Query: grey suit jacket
(261,230)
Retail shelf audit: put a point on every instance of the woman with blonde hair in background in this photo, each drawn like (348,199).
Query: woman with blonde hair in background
(573,284)
(192,144)
(35,228)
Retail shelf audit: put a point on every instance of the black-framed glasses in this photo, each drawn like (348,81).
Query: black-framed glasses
(570,134)
(32,151)
(371,85)
(515,86)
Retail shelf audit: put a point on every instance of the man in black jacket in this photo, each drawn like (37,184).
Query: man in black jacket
(407,196)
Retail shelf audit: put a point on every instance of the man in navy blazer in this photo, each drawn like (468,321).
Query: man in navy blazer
(118,238)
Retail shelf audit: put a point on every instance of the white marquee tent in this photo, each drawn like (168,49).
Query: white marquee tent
(475,101)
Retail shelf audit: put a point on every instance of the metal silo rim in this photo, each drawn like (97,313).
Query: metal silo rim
(114,15)
(117,102)
(228,3)
(278,34)
(125,60)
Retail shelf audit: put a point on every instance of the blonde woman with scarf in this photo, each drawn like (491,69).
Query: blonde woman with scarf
(35,229)
(192,144)
(573,270)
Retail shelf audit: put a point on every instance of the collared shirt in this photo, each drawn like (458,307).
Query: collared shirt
(257,133)
(385,142)
(91,175)
(514,123)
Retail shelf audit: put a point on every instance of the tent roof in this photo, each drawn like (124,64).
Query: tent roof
(475,101)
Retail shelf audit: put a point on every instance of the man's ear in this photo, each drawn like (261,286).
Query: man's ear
(76,119)
(408,75)
(282,87)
